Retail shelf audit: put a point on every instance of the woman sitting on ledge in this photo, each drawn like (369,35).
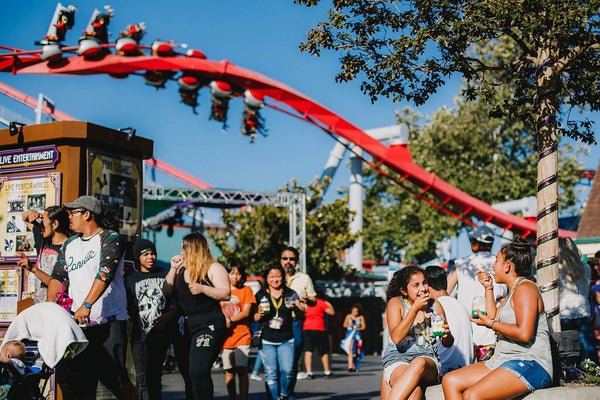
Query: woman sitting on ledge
(522,362)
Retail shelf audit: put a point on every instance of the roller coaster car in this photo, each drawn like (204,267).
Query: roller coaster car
(96,34)
(160,48)
(62,20)
(221,94)
(128,41)
(158,78)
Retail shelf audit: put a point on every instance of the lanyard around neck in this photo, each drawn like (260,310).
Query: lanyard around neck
(277,304)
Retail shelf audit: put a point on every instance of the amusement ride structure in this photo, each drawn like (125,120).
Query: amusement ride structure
(162,61)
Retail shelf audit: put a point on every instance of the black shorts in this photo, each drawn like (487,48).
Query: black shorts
(316,340)
(78,377)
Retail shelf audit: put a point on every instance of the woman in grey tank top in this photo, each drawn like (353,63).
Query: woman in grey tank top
(522,361)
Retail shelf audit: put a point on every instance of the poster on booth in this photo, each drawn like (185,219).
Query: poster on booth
(117,182)
(19,193)
(9,295)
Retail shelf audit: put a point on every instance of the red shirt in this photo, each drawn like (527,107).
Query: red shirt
(314,316)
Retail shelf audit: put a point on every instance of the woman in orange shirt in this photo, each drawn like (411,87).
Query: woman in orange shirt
(237,344)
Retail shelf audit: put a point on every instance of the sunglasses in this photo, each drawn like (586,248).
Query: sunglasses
(289,258)
(78,211)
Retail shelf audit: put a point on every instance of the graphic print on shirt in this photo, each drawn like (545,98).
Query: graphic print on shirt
(75,264)
(231,307)
(151,301)
(46,262)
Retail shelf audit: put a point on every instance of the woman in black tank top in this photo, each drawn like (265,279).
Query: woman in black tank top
(198,287)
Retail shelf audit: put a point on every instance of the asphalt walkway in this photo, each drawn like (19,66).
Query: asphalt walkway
(362,385)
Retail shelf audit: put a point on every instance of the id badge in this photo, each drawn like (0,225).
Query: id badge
(276,323)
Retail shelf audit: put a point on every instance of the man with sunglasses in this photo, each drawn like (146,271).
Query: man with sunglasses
(302,284)
(90,264)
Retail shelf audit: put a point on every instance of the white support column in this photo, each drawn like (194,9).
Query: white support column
(39,108)
(355,205)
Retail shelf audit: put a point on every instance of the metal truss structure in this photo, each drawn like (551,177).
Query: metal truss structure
(190,198)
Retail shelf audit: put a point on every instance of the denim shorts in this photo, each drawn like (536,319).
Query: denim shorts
(532,374)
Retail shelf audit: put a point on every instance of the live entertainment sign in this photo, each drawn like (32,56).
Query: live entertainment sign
(30,159)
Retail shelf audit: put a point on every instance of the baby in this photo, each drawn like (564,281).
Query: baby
(13,352)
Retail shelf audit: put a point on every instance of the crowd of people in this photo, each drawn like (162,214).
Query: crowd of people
(480,329)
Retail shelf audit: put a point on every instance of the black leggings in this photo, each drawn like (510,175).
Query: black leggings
(208,335)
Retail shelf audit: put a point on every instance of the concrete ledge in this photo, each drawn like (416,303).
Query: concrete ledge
(557,393)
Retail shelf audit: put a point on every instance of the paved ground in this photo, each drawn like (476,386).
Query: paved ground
(362,385)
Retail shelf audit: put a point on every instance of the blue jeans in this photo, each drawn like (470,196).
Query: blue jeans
(297,330)
(257,364)
(278,359)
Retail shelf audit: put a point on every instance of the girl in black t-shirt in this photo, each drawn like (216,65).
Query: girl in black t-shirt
(276,303)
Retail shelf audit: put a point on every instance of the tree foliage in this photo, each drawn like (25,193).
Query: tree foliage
(256,235)
(492,159)
(406,50)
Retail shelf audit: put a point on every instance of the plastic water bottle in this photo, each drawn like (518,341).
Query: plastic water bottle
(37,365)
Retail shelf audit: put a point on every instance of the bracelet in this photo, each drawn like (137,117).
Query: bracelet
(492,325)
(486,289)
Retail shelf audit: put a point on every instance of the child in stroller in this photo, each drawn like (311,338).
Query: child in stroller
(50,334)
(17,379)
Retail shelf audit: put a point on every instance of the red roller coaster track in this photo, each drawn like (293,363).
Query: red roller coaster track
(450,199)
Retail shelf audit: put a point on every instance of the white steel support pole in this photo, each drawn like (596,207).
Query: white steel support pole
(39,108)
(355,205)
(297,226)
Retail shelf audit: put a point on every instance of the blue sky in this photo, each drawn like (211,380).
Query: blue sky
(259,35)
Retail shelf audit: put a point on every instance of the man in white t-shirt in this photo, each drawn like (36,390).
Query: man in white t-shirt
(90,264)
(460,354)
(465,274)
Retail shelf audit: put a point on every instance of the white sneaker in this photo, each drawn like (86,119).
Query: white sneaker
(255,377)
(302,375)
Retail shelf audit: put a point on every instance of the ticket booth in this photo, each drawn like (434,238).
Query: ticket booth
(53,163)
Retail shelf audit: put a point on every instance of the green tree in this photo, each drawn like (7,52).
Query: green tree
(464,147)
(256,235)
(408,49)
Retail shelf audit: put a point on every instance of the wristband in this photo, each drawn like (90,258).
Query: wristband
(230,321)
(492,325)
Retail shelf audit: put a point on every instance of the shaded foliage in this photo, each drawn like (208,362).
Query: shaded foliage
(256,235)
(492,159)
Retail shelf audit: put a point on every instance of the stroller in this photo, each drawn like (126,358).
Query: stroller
(50,334)
(34,382)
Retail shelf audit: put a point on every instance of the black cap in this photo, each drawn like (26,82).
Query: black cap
(142,246)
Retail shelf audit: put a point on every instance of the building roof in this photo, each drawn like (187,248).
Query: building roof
(589,226)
